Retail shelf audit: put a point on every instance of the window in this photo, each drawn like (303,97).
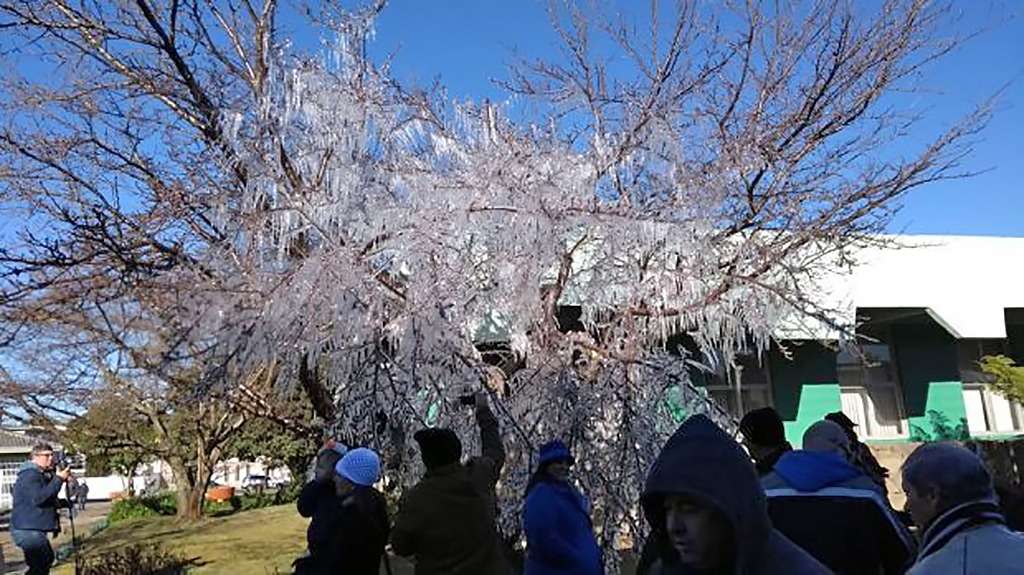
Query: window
(8,474)
(870,392)
(987,411)
(754,391)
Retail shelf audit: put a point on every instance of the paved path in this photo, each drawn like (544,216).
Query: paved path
(84,522)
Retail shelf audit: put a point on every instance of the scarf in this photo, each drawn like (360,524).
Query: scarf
(957,520)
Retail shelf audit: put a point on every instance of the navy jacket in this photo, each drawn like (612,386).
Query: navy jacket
(347,534)
(837,513)
(701,461)
(559,534)
(35,500)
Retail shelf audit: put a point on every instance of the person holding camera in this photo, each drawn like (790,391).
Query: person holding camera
(448,521)
(34,514)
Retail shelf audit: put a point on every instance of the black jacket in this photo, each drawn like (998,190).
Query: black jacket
(702,461)
(35,500)
(837,513)
(346,534)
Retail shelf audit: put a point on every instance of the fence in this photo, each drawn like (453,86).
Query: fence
(1005,459)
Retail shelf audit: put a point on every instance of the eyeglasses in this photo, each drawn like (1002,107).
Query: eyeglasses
(47,454)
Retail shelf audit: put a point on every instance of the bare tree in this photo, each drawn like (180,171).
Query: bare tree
(306,217)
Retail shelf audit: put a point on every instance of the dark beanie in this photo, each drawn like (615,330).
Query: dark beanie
(438,446)
(763,427)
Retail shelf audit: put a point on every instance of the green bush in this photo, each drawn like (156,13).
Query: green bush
(222,508)
(128,509)
(288,493)
(259,501)
(140,507)
(165,503)
(131,560)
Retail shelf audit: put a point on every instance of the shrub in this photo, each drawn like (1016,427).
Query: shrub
(222,508)
(128,509)
(259,501)
(165,503)
(140,507)
(132,560)
(289,493)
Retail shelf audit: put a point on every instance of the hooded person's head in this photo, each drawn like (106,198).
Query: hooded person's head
(704,501)
(326,459)
(763,433)
(438,447)
(827,437)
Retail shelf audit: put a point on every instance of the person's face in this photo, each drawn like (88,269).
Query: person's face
(923,507)
(559,470)
(697,532)
(342,486)
(757,452)
(43,459)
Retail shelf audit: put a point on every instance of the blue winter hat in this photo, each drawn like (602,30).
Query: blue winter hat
(554,451)
(360,466)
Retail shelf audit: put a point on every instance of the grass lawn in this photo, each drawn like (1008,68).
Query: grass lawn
(263,541)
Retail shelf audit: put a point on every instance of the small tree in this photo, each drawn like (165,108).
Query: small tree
(1007,376)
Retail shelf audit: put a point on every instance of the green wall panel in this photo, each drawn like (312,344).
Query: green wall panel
(804,386)
(816,400)
(933,396)
(945,414)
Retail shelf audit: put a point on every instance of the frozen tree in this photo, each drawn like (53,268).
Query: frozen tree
(307,218)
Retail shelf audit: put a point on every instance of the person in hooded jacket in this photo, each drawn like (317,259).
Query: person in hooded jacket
(952,500)
(831,508)
(707,512)
(448,521)
(34,514)
(349,528)
(764,436)
(860,453)
(556,519)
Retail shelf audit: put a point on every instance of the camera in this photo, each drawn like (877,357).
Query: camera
(468,400)
(60,461)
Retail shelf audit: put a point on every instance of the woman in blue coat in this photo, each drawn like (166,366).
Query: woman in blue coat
(556,518)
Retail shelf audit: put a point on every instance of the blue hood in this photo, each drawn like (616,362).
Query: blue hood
(28,465)
(812,470)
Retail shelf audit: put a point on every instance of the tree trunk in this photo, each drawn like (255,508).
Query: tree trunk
(190,501)
(190,483)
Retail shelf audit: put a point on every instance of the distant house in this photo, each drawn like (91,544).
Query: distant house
(15,449)
(925,315)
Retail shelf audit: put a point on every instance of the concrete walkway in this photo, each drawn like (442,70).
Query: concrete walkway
(84,523)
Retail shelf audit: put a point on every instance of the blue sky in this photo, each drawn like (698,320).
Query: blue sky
(468,43)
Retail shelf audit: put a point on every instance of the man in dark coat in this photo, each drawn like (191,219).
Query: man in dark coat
(34,514)
(447,521)
(828,506)
(764,437)
(82,495)
(349,527)
(707,512)
(860,453)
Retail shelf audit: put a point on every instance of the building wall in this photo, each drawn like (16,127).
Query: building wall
(805,385)
(933,398)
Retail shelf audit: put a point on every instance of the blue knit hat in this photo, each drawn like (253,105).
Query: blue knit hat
(554,451)
(360,466)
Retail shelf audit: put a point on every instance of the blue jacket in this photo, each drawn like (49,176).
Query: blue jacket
(559,535)
(837,513)
(35,500)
